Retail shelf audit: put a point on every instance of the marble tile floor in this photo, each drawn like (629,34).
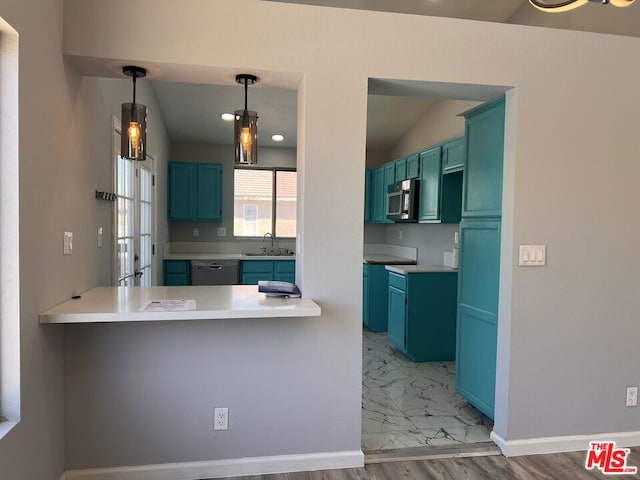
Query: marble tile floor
(407,404)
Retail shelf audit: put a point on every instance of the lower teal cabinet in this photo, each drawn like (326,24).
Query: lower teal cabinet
(176,272)
(422,314)
(477,328)
(252,271)
(374,297)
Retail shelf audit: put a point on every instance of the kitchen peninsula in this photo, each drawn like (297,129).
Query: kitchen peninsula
(126,304)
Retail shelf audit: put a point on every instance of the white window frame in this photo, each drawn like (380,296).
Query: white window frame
(9,232)
(274,171)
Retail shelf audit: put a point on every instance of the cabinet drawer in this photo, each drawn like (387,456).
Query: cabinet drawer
(285,266)
(176,266)
(257,266)
(398,281)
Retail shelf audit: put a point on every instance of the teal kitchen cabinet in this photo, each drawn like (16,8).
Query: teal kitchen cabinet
(440,195)
(400,169)
(367,196)
(389,179)
(376,199)
(194,192)
(422,314)
(413,166)
(374,297)
(284,271)
(484,132)
(479,257)
(381,178)
(477,322)
(252,271)
(453,153)
(176,272)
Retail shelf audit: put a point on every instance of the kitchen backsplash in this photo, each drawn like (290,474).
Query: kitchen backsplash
(432,239)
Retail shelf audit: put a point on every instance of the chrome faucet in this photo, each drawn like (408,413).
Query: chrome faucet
(265,236)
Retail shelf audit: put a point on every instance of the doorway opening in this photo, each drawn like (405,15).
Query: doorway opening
(407,404)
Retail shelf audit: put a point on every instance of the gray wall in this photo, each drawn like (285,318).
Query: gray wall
(566,331)
(553,164)
(223,154)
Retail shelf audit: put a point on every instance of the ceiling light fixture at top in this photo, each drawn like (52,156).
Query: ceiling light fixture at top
(246,127)
(276,137)
(565,6)
(228,117)
(133,144)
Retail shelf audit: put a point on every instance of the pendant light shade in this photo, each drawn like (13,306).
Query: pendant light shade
(246,127)
(133,143)
(566,5)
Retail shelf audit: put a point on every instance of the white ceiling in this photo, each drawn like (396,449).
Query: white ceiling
(192,110)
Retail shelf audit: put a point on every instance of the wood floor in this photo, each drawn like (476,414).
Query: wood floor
(559,466)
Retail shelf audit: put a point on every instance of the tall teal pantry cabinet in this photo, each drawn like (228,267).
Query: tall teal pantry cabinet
(479,264)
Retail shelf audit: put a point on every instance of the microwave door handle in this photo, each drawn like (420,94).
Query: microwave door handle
(406,201)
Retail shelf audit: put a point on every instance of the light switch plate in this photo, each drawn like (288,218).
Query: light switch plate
(532,256)
(67,243)
(221,232)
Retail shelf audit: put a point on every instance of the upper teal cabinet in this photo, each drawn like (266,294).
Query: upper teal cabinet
(195,191)
(429,204)
(484,131)
(440,195)
(367,196)
(413,166)
(401,169)
(453,153)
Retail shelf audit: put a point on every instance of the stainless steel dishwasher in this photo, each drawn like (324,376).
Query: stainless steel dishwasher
(215,272)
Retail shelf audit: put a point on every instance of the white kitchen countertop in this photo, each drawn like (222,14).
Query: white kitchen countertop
(377,258)
(123,304)
(408,269)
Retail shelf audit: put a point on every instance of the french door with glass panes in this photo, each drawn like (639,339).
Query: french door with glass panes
(133,220)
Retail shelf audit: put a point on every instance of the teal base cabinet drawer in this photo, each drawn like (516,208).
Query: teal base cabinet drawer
(176,272)
(374,297)
(422,315)
(252,271)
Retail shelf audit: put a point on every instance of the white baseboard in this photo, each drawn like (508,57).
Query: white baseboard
(224,468)
(573,443)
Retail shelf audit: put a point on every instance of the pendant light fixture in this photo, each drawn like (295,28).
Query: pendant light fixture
(133,143)
(246,127)
(565,6)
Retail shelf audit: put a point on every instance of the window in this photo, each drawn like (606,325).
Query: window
(9,232)
(261,195)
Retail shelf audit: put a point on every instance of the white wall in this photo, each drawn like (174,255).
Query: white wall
(223,154)
(569,329)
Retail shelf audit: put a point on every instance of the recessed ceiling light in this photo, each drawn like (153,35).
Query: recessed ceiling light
(277,137)
(228,117)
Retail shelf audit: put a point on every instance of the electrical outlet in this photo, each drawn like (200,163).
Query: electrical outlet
(99,237)
(399,234)
(196,232)
(221,418)
(632,396)
(221,231)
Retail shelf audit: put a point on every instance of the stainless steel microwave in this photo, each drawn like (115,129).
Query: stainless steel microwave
(402,201)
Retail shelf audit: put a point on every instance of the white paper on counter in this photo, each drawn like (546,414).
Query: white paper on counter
(169,305)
